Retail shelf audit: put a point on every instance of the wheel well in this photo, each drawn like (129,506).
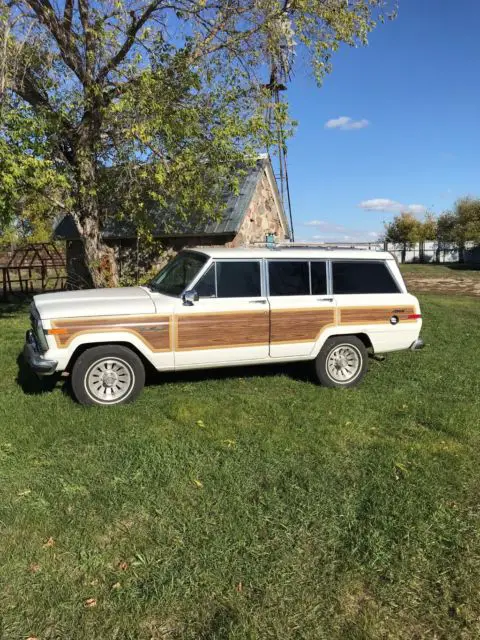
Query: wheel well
(84,347)
(362,336)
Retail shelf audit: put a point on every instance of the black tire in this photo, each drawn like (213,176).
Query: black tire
(107,375)
(347,350)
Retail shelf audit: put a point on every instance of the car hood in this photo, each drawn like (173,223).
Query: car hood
(95,302)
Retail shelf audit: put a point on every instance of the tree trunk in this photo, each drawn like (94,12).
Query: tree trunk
(100,259)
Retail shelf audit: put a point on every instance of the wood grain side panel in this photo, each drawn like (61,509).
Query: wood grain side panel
(222,330)
(299,325)
(374,315)
(154,331)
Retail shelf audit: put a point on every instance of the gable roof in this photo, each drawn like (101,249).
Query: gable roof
(236,206)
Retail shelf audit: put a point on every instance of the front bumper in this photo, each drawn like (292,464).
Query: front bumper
(417,345)
(34,358)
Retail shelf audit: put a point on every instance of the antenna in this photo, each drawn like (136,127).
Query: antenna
(282,47)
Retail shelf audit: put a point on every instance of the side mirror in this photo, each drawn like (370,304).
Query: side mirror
(189,297)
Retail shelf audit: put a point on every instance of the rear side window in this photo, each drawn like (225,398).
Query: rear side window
(238,280)
(362,277)
(288,278)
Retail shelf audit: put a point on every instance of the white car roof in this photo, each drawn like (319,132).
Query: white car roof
(292,252)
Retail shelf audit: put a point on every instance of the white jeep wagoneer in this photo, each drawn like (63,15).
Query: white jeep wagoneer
(216,307)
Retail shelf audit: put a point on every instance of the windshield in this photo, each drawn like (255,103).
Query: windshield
(174,278)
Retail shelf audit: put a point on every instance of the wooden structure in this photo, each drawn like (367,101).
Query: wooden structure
(33,268)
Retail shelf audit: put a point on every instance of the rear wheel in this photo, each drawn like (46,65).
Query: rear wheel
(107,375)
(342,362)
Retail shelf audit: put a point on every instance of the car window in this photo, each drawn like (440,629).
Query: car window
(177,274)
(205,287)
(238,279)
(319,278)
(362,277)
(288,278)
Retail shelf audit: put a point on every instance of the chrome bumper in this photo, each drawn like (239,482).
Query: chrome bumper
(33,357)
(417,345)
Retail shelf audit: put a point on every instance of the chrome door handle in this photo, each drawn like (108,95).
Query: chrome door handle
(324,299)
(258,302)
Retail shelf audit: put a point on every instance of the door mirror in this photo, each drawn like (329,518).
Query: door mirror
(189,297)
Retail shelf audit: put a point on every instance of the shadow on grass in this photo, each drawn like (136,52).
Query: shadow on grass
(12,308)
(456,266)
(30,383)
(299,371)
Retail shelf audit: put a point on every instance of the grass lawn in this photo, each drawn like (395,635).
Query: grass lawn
(248,504)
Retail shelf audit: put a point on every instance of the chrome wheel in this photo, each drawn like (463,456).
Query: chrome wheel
(109,380)
(344,363)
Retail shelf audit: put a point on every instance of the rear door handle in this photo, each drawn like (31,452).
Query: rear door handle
(258,302)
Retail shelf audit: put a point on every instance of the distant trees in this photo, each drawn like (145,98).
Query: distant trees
(406,230)
(457,227)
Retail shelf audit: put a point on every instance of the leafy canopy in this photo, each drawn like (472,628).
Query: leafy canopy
(170,93)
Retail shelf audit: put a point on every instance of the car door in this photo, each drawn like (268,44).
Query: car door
(301,305)
(230,321)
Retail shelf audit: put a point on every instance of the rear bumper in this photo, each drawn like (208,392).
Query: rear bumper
(417,345)
(34,358)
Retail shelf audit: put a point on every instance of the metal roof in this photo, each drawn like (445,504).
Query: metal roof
(236,206)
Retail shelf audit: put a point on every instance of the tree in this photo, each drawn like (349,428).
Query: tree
(467,225)
(169,92)
(428,228)
(447,231)
(405,229)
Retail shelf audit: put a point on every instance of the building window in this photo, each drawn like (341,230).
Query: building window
(361,276)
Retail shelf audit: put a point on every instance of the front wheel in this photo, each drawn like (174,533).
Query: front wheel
(107,375)
(342,362)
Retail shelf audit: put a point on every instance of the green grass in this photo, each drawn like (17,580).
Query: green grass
(248,504)
(454,270)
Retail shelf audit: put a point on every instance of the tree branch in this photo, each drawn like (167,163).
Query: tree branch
(70,55)
(132,31)
(89,44)
(67,15)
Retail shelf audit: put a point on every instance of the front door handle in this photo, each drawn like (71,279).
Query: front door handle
(258,302)
(324,299)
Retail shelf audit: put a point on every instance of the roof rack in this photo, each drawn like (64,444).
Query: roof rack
(315,245)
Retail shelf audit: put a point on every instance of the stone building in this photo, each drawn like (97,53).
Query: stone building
(249,216)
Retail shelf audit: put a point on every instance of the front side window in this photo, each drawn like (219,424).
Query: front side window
(361,276)
(175,277)
(238,279)
(288,278)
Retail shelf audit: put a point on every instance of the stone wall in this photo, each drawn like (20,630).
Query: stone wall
(262,217)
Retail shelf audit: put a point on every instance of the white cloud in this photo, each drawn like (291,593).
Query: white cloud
(330,232)
(392,206)
(325,225)
(345,123)
(348,235)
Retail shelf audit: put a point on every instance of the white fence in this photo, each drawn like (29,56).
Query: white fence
(435,252)
(420,252)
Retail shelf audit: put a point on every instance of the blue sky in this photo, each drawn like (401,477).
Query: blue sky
(413,141)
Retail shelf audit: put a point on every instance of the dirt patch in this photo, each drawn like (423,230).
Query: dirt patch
(453,286)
